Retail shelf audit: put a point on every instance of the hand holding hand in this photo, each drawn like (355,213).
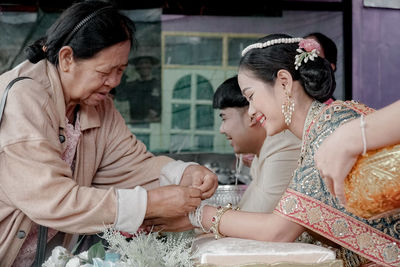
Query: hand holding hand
(201,178)
(172,201)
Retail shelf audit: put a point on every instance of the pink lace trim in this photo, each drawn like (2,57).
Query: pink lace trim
(72,135)
(26,255)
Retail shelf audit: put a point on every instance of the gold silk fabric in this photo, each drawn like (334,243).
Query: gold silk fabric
(372,188)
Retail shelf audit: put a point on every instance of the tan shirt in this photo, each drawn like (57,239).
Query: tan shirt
(271,172)
(37,185)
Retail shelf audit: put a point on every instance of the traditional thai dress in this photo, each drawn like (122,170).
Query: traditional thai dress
(308,202)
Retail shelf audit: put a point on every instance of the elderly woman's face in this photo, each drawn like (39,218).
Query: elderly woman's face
(92,79)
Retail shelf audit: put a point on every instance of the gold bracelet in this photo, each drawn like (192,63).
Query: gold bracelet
(217,218)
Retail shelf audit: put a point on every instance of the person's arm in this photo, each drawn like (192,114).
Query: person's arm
(195,177)
(241,224)
(126,163)
(256,226)
(338,153)
(278,163)
(382,127)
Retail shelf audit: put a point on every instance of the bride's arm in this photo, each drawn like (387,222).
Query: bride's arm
(251,225)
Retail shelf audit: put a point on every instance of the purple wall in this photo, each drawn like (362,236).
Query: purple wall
(376,55)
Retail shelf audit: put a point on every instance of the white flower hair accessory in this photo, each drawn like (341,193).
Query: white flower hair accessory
(308,50)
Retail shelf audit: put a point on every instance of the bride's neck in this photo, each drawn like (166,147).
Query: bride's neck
(301,107)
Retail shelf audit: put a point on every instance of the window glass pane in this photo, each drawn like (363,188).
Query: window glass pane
(180,116)
(140,125)
(182,88)
(193,50)
(179,142)
(235,47)
(145,138)
(204,142)
(204,117)
(204,88)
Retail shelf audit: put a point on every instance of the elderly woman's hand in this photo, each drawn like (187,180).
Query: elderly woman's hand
(175,224)
(202,178)
(172,201)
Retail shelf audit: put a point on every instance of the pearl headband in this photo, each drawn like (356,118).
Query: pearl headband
(308,48)
(271,42)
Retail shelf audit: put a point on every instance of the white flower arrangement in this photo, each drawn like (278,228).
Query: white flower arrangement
(168,250)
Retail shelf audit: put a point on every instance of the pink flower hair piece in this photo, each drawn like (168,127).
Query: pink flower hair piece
(309,45)
(308,49)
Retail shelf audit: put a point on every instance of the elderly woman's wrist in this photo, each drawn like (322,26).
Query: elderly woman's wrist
(153,200)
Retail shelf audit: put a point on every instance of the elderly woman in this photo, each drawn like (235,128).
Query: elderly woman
(67,160)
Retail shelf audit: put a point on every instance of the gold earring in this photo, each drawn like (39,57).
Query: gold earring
(288,108)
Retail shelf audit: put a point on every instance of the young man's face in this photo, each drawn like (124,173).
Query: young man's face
(236,125)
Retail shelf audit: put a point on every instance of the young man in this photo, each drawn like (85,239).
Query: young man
(275,156)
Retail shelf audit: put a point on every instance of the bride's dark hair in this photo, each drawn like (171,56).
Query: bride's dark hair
(316,77)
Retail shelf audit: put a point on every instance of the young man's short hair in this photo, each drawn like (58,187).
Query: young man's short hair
(229,95)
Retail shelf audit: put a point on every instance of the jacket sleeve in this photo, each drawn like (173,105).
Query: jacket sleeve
(125,161)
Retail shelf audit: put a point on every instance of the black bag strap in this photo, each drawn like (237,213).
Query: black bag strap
(5,94)
(41,246)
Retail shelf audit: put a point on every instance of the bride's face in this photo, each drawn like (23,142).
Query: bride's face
(265,101)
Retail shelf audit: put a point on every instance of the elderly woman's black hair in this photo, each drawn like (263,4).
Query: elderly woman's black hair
(316,77)
(87,27)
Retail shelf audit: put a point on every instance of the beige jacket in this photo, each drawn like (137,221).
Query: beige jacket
(37,185)
(271,172)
